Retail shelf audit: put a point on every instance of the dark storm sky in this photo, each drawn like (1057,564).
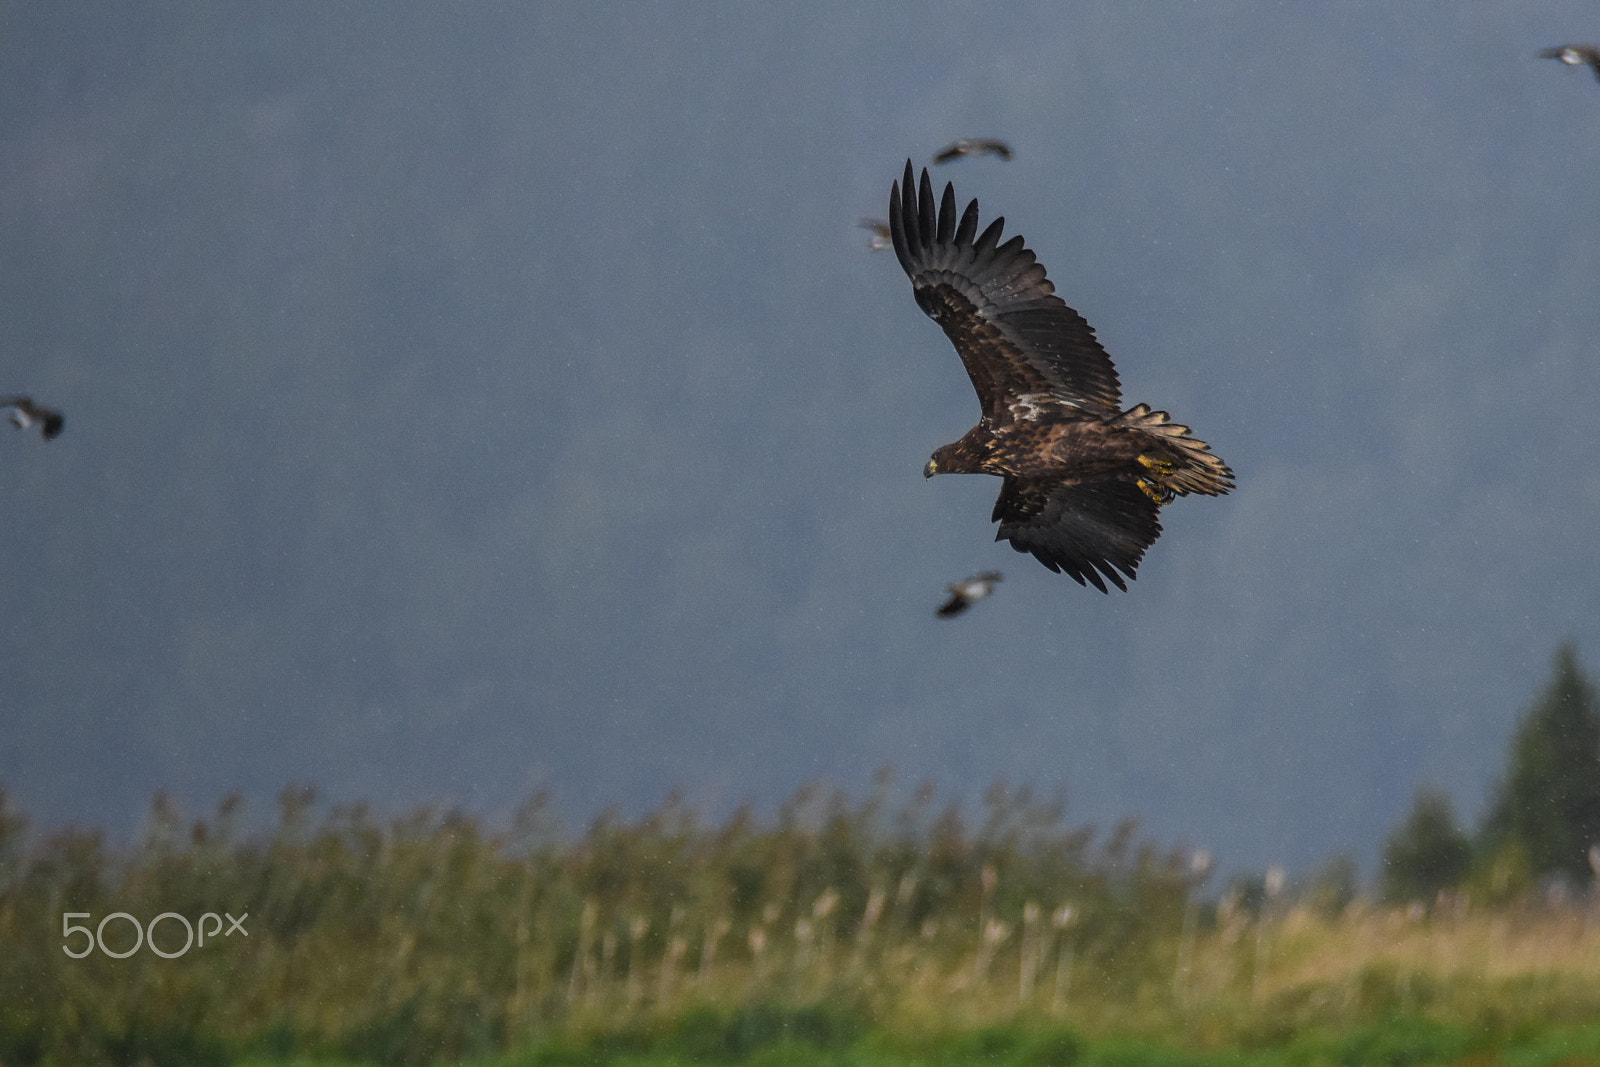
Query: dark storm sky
(467,400)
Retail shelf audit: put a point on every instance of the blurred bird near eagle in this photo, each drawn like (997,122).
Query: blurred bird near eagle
(1575,55)
(965,593)
(880,233)
(977,146)
(25,414)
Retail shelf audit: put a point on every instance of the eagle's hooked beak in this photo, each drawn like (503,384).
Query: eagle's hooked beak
(931,469)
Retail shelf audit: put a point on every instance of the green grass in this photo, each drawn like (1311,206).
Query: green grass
(1397,1042)
(835,933)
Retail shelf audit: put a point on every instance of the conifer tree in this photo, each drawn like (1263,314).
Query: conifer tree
(1428,853)
(1548,804)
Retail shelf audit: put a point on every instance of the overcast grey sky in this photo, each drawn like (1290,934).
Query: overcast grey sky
(463,400)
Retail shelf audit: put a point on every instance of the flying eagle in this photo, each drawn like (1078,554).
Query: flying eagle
(981,146)
(1575,55)
(1084,480)
(965,594)
(25,413)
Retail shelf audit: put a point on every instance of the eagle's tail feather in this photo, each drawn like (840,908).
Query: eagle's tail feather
(1186,464)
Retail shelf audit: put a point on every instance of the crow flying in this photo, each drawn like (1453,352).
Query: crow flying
(981,146)
(967,593)
(25,413)
(880,233)
(1575,55)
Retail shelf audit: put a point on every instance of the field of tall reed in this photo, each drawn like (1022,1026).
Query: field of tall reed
(427,939)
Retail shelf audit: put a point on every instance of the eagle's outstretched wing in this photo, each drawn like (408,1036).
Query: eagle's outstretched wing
(1015,336)
(1084,529)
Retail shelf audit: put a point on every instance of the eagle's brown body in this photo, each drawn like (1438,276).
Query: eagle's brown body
(1084,480)
(1161,458)
(1073,450)
(1068,448)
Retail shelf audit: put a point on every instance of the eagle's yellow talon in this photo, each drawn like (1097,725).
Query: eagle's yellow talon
(1159,493)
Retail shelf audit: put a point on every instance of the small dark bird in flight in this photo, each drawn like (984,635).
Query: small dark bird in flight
(965,594)
(1084,481)
(880,233)
(25,413)
(1575,55)
(980,146)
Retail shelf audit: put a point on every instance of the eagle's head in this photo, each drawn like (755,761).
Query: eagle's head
(970,455)
(945,460)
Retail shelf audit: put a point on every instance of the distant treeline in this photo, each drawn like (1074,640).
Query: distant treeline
(1542,828)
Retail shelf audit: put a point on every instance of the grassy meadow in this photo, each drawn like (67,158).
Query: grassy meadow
(835,931)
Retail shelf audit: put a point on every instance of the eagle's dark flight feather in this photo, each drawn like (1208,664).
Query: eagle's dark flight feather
(1083,530)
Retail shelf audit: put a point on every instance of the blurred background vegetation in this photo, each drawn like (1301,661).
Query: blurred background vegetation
(910,928)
